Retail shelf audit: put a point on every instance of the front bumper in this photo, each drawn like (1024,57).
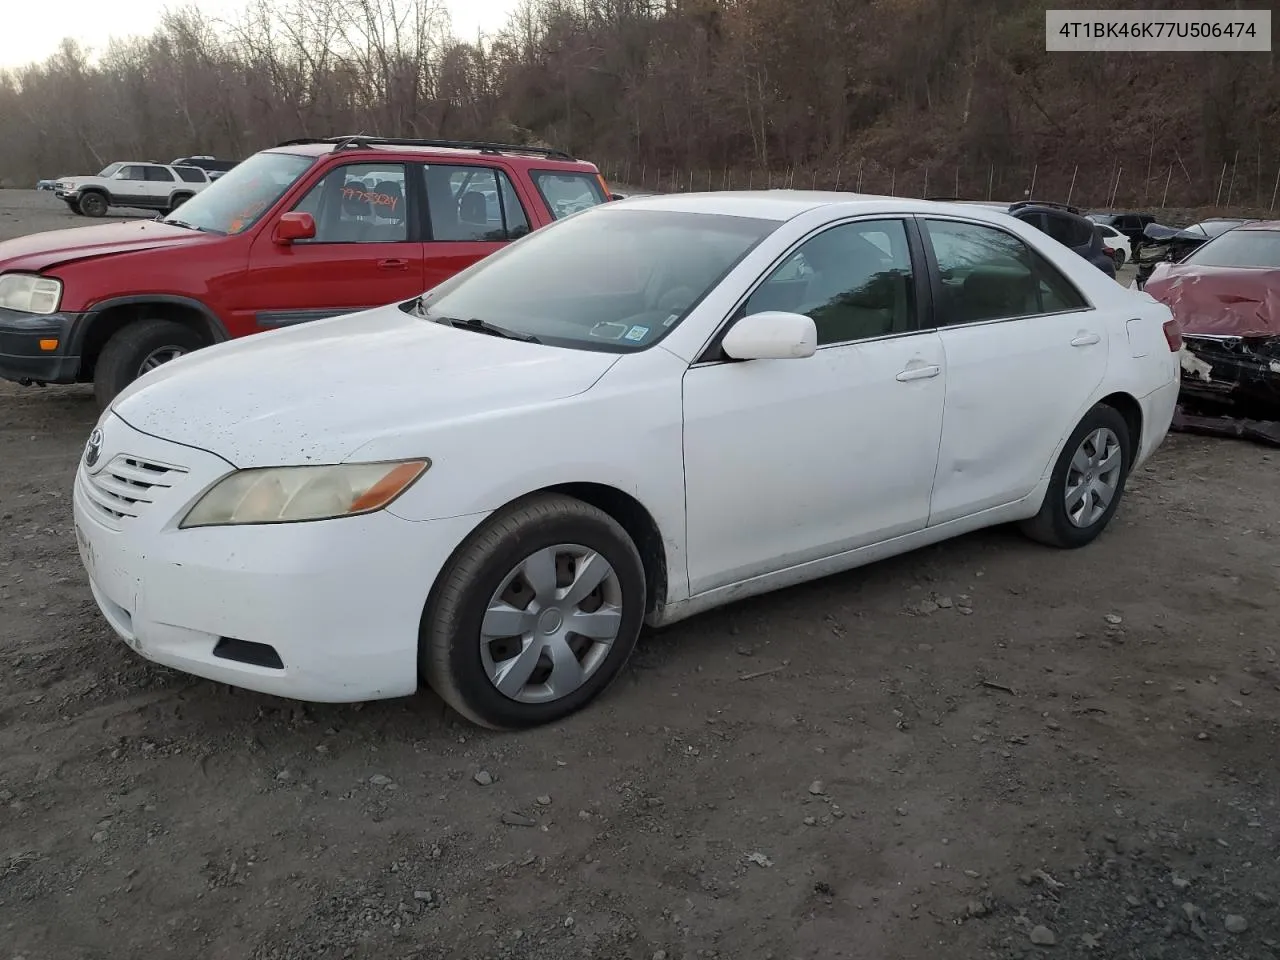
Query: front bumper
(1237,375)
(339,601)
(23,337)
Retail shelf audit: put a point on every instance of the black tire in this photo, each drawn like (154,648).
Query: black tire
(120,362)
(449,654)
(74,207)
(1051,526)
(178,200)
(1119,258)
(93,204)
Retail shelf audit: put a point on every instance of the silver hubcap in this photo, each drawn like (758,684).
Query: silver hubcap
(157,357)
(551,623)
(1093,478)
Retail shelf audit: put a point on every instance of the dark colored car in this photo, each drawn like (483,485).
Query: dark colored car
(309,229)
(1131,225)
(210,165)
(1225,295)
(1059,220)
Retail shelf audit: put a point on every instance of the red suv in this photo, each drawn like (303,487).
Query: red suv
(305,230)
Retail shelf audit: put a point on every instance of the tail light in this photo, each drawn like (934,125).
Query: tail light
(1173,335)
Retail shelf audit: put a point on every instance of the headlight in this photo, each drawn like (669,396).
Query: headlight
(290,494)
(30,293)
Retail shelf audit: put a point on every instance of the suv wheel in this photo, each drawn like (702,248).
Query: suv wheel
(93,204)
(137,349)
(74,207)
(178,200)
(1119,258)
(535,614)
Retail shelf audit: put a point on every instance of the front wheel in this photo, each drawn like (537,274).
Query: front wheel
(137,349)
(93,205)
(74,207)
(1087,482)
(535,614)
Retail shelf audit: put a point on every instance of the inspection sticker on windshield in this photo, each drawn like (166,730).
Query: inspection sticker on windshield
(636,333)
(671,319)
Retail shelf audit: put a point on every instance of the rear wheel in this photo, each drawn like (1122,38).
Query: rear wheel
(178,200)
(136,349)
(93,204)
(535,615)
(1087,482)
(1119,258)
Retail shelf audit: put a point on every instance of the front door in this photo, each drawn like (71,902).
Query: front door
(788,461)
(1024,353)
(367,251)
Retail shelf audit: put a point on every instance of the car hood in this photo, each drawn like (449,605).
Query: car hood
(1219,301)
(41,251)
(318,392)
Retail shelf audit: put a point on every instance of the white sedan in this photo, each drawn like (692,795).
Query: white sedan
(1116,243)
(644,411)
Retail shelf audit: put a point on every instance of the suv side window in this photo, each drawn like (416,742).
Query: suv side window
(359,203)
(988,274)
(191,174)
(473,203)
(854,281)
(158,174)
(1067,230)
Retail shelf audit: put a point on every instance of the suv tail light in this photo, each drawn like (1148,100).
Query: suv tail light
(1173,335)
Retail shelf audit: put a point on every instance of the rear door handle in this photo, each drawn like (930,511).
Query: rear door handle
(395,263)
(919,373)
(1085,340)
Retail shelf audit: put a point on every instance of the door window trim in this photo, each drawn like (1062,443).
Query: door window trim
(710,354)
(935,275)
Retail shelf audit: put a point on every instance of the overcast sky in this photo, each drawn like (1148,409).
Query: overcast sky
(32,31)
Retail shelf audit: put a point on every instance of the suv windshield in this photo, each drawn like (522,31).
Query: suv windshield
(568,193)
(612,279)
(110,171)
(1240,248)
(235,201)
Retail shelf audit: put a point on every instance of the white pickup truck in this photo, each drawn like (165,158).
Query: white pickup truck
(149,186)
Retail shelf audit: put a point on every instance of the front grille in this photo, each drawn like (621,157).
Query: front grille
(127,486)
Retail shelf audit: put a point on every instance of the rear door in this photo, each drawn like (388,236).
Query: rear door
(160,184)
(472,210)
(368,249)
(1025,352)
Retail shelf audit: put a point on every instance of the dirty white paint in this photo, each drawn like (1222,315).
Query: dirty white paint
(1193,365)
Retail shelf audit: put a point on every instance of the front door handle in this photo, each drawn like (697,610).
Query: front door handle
(395,263)
(1085,340)
(919,373)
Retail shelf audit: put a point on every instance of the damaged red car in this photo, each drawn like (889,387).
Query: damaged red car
(1226,298)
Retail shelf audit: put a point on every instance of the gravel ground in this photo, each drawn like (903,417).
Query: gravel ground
(986,749)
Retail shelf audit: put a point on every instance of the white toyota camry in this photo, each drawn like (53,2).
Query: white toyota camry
(641,412)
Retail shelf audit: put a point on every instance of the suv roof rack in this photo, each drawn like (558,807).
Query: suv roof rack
(361,142)
(1045,203)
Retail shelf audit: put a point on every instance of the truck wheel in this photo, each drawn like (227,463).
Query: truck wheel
(136,349)
(93,204)
(74,207)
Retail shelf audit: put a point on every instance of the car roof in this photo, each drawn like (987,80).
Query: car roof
(1260,225)
(781,205)
(511,152)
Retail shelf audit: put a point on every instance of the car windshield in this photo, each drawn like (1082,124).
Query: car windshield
(1240,248)
(611,279)
(568,193)
(110,170)
(237,200)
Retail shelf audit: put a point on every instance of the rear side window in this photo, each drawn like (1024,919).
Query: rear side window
(1068,231)
(191,174)
(568,193)
(988,274)
(473,203)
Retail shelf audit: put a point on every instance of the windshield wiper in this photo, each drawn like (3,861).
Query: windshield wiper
(484,326)
(183,223)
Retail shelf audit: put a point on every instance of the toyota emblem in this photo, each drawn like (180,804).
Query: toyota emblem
(93,449)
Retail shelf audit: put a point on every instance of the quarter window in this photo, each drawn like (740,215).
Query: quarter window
(854,281)
(158,174)
(568,193)
(473,203)
(988,274)
(191,174)
(359,203)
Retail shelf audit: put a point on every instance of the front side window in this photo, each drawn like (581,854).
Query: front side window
(473,203)
(237,200)
(359,203)
(988,274)
(132,172)
(1240,248)
(854,281)
(568,193)
(613,279)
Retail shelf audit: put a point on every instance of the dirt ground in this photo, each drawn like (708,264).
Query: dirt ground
(963,753)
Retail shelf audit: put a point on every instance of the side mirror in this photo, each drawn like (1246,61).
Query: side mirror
(294,225)
(772,335)
(617,196)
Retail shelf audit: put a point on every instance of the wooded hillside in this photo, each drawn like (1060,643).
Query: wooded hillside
(888,91)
